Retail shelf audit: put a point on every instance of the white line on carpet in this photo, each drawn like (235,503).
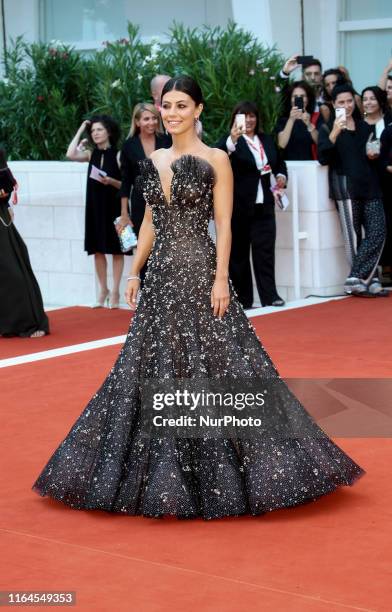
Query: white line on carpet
(60,352)
(95,344)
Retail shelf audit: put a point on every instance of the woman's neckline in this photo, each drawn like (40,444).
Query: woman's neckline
(174,167)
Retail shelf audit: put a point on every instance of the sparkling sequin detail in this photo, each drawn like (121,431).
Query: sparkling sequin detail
(105,463)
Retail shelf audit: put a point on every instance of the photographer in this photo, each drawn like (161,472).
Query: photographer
(297,131)
(254,157)
(355,187)
(311,74)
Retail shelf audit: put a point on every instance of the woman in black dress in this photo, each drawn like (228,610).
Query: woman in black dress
(21,308)
(102,201)
(254,157)
(297,130)
(144,138)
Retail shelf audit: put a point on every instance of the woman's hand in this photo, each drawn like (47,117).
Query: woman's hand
(295,113)
(372,155)
(338,126)
(123,221)
(84,125)
(131,292)
(306,118)
(281,182)
(3,194)
(106,180)
(220,297)
(235,133)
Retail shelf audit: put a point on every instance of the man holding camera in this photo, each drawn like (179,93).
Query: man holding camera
(311,73)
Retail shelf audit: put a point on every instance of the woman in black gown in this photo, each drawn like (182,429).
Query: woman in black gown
(102,201)
(189,328)
(144,138)
(21,308)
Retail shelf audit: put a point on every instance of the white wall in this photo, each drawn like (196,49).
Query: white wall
(286,25)
(50,218)
(22,18)
(254,17)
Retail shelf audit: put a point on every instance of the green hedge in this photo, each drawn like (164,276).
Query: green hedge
(51,88)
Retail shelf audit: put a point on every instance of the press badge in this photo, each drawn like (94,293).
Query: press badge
(266,169)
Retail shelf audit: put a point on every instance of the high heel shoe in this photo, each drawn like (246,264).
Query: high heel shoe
(104,302)
(114,305)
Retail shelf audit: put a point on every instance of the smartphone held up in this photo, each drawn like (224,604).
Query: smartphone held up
(340,114)
(299,102)
(240,121)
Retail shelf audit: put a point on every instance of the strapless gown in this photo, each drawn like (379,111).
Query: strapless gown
(107,462)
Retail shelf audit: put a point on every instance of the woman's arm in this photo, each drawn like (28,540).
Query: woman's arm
(326,149)
(72,152)
(108,180)
(285,135)
(127,180)
(223,208)
(144,245)
(279,168)
(386,150)
(384,75)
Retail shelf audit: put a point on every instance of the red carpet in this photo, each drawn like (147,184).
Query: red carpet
(71,326)
(328,556)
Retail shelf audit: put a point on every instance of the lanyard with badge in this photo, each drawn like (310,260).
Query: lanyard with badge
(266,168)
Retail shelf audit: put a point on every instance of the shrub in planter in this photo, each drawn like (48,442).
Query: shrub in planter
(50,88)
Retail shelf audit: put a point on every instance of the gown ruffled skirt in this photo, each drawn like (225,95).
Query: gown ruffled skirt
(107,462)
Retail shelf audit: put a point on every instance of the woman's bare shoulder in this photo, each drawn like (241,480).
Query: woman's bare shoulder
(159,154)
(218,158)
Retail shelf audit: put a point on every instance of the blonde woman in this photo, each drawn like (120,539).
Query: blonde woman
(144,138)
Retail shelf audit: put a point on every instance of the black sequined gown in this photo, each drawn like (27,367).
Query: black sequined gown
(105,463)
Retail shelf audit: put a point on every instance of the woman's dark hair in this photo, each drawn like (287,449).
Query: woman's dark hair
(379,94)
(309,92)
(339,89)
(247,108)
(110,124)
(187,85)
(341,80)
(3,159)
(346,88)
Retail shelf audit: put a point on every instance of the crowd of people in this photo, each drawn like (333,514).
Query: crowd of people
(323,118)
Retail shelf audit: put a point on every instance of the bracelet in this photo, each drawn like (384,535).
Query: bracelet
(136,277)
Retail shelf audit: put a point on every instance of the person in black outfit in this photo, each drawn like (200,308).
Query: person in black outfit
(386,184)
(297,129)
(144,138)
(102,201)
(254,157)
(355,187)
(21,308)
(332,78)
